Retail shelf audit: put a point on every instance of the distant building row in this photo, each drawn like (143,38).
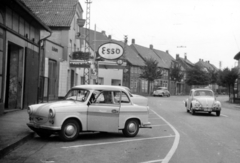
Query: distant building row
(37,41)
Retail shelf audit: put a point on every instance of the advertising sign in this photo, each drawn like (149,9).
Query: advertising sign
(110,51)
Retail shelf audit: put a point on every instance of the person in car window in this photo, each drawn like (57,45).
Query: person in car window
(107,97)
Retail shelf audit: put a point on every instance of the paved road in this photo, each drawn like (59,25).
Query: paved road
(176,137)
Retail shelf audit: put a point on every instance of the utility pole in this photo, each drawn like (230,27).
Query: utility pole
(87,41)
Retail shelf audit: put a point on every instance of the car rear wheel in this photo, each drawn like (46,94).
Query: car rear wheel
(131,128)
(70,130)
(218,113)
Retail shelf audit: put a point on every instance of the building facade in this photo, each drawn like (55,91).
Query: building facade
(19,55)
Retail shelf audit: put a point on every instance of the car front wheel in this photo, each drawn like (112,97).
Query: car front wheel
(218,113)
(131,128)
(70,130)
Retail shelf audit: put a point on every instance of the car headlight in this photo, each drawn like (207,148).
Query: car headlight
(197,105)
(216,105)
(29,110)
(51,113)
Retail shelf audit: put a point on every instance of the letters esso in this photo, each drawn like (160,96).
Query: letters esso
(110,51)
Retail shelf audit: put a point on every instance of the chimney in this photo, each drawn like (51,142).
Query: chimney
(133,41)
(110,37)
(200,60)
(151,46)
(104,32)
(185,56)
(167,52)
(177,56)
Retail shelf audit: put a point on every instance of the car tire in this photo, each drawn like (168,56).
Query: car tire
(192,111)
(44,134)
(218,113)
(70,130)
(131,128)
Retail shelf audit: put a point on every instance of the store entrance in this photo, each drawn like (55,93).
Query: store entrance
(14,77)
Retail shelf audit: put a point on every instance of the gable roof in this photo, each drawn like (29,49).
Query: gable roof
(148,53)
(54,13)
(206,64)
(28,11)
(131,55)
(185,63)
(165,56)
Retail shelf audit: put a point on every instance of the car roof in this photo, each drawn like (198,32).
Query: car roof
(101,87)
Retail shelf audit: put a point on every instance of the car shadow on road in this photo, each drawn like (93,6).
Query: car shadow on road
(204,114)
(84,136)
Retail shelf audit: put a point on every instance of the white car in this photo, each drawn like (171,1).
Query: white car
(202,100)
(161,91)
(89,108)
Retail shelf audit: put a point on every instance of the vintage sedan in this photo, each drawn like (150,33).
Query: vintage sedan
(89,108)
(161,91)
(202,100)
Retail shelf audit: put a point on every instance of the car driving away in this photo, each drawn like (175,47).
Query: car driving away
(161,91)
(202,100)
(86,108)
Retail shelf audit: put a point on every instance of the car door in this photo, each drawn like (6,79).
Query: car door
(103,113)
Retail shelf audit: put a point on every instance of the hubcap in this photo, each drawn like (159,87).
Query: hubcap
(70,130)
(132,127)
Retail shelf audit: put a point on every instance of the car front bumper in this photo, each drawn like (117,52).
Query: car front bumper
(207,109)
(35,126)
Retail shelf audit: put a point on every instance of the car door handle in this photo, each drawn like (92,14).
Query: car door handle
(114,111)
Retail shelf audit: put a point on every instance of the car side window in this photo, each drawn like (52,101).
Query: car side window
(105,97)
(124,98)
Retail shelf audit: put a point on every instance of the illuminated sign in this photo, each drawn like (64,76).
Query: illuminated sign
(110,51)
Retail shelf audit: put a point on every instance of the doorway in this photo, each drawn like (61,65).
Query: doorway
(14,77)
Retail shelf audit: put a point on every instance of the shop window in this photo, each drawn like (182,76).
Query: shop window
(1,61)
(9,18)
(15,22)
(26,33)
(21,26)
(1,18)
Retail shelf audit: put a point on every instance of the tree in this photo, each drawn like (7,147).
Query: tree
(228,78)
(197,76)
(150,71)
(176,73)
(213,76)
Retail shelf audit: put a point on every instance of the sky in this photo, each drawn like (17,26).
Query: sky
(199,29)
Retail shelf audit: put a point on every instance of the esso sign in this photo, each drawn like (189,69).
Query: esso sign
(110,51)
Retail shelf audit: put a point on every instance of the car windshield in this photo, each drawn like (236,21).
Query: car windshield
(77,94)
(203,93)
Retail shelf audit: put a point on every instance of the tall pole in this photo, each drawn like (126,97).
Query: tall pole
(87,41)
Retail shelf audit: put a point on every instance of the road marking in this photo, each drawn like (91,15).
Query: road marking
(223,115)
(159,125)
(175,143)
(153,118)
(116,142)
(153,161)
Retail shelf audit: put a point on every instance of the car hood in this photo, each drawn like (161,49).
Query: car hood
(205,101)
(43,110)
(139,100)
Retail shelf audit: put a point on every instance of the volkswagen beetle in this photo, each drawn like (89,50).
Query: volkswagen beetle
(89,108)
(202,100)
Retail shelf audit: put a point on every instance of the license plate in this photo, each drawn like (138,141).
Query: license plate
(207,109)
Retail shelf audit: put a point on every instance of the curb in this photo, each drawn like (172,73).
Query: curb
(16,144)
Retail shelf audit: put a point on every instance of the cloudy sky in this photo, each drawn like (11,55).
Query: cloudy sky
(203,29)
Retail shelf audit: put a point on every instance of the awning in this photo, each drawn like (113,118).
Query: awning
(101,64)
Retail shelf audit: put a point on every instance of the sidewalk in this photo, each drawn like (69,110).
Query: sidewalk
(13,130)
